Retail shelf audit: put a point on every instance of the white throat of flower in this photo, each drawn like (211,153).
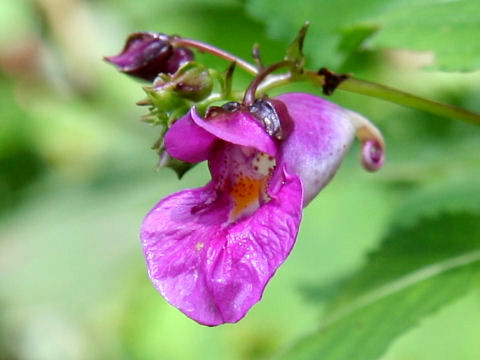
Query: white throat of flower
(246,177)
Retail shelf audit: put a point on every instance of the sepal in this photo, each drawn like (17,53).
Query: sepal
(295,49)
(192,81)
(165,160)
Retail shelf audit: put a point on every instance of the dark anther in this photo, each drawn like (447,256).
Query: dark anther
(331,80)
(271,114)
(265,112)
(231,106)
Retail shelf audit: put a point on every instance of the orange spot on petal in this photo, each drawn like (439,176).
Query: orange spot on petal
(246,192)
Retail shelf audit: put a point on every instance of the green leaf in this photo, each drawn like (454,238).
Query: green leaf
(451,197)
(353,37)
(415,271)
(448,28)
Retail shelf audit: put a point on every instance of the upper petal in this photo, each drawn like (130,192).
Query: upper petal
(322,135)
(240,128)
(187,141)
(211,270)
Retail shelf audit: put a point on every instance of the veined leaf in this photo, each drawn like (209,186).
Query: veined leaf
(448,28)
(414,272)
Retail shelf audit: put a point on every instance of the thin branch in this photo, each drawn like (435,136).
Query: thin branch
(403,98)
(179,41)
(249,97)
(351,84)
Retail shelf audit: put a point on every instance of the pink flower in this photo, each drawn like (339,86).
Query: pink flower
(211,251)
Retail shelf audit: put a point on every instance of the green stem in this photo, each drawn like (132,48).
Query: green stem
(368,88)
(274,81)
(249,97)
(199,45)
(351,84)
(403,98)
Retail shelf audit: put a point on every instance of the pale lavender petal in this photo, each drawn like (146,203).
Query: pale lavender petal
(187,141)
(320,139)
(238,128)
(211,271)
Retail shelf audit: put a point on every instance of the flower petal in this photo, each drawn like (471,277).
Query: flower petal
(322,135)
(238,128)
(213,271)
(187,141)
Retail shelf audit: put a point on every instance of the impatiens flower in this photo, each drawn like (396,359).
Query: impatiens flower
(211,251)
(147,54)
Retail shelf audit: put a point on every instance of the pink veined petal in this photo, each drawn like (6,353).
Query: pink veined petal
(238,128)
(212,271)
(322,135)
(187,141)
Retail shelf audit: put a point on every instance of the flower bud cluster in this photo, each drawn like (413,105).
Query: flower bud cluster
(178,82)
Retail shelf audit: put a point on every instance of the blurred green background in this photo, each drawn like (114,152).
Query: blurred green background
(77,177)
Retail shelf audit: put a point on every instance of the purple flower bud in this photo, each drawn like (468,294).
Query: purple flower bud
(179,56)
(147,54)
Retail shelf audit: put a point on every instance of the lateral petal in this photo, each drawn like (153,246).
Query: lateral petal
(187,141)
(212,270)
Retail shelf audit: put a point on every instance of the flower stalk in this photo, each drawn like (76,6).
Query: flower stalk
(249,97)
(396,96)
(351,84)
(369,88)
(199,45)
